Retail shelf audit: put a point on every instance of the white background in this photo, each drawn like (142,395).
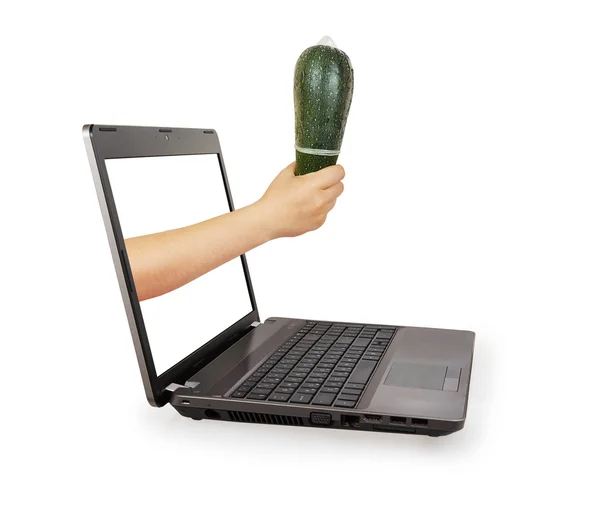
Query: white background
(471,202)
(162,193)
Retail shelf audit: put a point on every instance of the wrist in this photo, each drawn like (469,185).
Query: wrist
(266,229)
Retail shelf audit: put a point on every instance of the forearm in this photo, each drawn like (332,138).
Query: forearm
(165,261)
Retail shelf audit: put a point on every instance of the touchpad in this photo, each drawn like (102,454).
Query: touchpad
(416,376)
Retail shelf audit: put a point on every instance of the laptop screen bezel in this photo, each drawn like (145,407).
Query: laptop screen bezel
(112,142)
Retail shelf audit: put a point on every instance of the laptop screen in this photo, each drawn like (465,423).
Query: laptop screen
(155,199)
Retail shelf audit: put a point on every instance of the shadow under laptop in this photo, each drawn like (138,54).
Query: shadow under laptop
(244,439)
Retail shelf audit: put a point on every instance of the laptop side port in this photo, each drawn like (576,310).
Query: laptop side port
(372,418)
(394,420)
(416,421)
(351,421)
(320,418)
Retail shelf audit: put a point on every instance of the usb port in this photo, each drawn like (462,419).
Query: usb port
(397,420)
(419,422)
(372,418)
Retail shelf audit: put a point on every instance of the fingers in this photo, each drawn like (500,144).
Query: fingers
(326,177)
(329,206)
(333,192)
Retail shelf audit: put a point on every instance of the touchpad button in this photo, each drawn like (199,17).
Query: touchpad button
(416,376)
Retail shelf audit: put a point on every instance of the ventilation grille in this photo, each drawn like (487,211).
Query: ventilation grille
(268,419)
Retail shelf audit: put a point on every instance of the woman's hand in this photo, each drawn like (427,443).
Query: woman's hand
(293,205)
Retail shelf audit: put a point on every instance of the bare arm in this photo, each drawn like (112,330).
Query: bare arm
(291,206)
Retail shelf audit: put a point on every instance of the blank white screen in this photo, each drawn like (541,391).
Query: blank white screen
(168,192)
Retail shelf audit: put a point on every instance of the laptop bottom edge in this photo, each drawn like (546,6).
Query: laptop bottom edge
(271,414)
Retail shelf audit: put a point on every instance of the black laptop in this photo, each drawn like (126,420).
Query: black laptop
(203,347)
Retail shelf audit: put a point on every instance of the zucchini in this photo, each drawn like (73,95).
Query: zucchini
(323,87)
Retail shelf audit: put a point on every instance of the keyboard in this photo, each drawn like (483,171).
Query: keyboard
(323,364)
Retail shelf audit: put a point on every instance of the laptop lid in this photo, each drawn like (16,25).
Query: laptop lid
(149,181)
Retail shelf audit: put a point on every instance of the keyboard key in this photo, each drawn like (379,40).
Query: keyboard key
(261,391)
(255,396)
(285,390)
(347,397)
(269,386)
(340,374)
(333,390)
(345,340)
(279,397)
(290,384)
(301,398)
(239,394)
(345,404)
(273,378)
(298,375)
(355,385)
(334,384)
(306,390)
(276,376)
(363,371)
(323,399)
(369,354)
(311,385)
(241,388)
(356,392)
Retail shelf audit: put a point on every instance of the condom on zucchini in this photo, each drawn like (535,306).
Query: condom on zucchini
(323,87)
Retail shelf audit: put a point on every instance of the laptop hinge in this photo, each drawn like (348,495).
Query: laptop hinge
(255,324)
(188,385)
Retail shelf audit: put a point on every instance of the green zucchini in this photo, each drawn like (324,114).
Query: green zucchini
(323,87)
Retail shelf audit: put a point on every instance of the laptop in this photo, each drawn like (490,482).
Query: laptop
(203,348)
